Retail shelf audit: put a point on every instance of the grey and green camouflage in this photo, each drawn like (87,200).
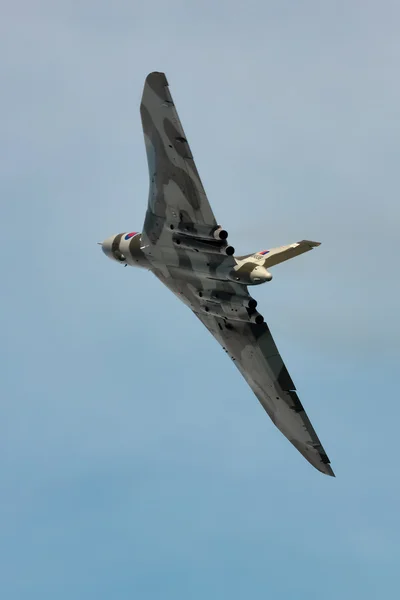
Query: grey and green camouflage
(187,250)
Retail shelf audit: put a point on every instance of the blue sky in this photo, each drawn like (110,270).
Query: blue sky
(136,463)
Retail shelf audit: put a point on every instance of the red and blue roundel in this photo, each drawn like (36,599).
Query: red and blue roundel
(130,235)
(264,252)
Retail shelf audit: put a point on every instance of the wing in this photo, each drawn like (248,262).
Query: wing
(176,194)
(255,354)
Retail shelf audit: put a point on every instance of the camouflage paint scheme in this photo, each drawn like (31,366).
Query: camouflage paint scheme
(183,246)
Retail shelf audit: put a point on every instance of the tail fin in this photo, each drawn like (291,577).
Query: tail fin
(277,255)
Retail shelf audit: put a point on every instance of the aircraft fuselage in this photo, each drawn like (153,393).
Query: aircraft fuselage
(126,249)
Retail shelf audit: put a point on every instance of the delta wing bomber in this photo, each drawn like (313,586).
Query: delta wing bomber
(187,250)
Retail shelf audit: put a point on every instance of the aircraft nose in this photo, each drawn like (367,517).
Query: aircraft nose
(110,247)
(106,246)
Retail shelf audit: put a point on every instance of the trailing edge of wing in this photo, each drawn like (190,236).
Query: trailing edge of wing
(255,354)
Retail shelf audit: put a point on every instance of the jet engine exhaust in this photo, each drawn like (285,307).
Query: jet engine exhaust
(210,246)
(257,318)
(221,298)
(220,234)
(201,232)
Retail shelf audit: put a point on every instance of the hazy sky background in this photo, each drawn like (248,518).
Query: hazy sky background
(135,461)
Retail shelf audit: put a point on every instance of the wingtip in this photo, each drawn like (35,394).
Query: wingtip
(158,76)
(328,471)
(310,243)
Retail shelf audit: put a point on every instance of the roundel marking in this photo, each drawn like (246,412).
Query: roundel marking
(129,235)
